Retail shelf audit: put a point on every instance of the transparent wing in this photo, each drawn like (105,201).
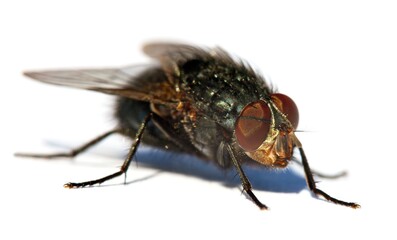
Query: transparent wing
(109,78)
(175,52)
(143,83)
(172,55)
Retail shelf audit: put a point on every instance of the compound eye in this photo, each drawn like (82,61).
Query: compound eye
(252,126)
(287,106)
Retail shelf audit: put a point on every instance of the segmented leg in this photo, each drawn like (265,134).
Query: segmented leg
(323,175)
(312,185)
(73,152)
(244,180)
(127,161)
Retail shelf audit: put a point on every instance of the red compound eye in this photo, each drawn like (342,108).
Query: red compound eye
(252,126)
(287,106)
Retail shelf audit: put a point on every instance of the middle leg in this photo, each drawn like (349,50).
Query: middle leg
(127,161)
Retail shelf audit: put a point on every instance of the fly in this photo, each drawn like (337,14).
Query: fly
(194,100)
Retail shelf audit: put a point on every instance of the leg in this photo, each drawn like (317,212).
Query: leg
(73,152)
(322,175)
(124,167)
(312,185)
(244,180)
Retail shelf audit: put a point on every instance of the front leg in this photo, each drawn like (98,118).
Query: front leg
(244,180)
(312,184)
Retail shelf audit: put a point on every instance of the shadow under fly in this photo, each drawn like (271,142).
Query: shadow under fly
(198,101)
(262,178)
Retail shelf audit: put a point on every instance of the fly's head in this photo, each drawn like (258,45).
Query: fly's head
(265,130)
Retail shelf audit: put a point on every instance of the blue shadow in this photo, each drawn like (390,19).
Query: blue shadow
(261,178)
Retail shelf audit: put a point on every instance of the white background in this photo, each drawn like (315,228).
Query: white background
(336,59)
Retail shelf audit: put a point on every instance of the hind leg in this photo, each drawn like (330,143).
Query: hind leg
(72,153)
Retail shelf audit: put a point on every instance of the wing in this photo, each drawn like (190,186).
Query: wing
(143,83)
(173,55)
(175,52)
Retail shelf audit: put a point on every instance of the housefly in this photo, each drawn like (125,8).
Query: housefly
(194,100)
